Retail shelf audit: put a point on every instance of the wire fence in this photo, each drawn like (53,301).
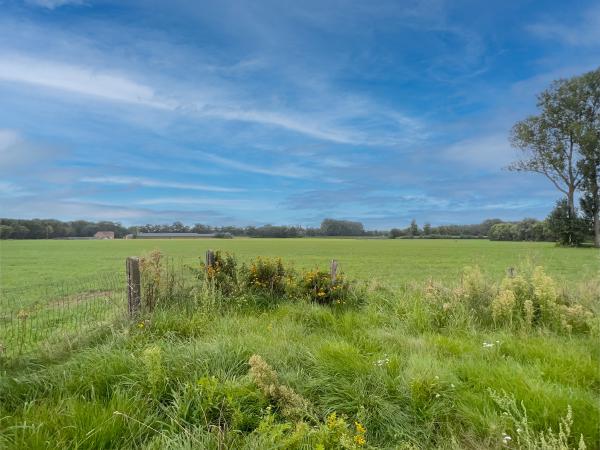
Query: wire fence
(39,314)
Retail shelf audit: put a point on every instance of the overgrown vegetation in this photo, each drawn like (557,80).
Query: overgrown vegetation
(250,356)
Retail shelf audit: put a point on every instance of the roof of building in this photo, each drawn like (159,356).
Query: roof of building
(105,233)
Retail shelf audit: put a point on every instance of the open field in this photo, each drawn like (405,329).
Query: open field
(391,261)
(416,366)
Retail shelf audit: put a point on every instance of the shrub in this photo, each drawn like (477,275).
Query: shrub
(222,274)
(268,276)
(527,301)
(537,302)
(319,287)
(503,306)
(476,291)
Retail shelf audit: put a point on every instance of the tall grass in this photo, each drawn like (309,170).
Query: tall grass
(422,367)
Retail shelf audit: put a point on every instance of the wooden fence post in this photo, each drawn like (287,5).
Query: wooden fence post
(134,291)
(210,258)
(333,270)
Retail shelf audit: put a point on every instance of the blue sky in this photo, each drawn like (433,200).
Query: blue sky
(225,112)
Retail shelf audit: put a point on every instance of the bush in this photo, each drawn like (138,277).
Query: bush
(268,276)
(222,274)
(319,288)
(527,301)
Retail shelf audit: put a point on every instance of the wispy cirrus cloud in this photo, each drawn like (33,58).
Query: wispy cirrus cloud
(488,151)
(78,80)
(583,31)
(245,204)
(53,4)
(115,86)
(156,183)
(383,112)
(287,171)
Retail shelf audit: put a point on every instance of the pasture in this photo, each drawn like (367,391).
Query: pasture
(420,360)
(394,262)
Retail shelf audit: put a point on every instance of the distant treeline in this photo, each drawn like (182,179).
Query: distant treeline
(494,229)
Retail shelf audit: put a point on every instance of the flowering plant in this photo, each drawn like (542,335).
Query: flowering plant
(320,287)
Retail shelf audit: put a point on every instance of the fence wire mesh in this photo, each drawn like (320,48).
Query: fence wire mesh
(38,314)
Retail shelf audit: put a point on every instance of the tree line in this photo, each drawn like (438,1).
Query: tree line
(56,229)
(494,229)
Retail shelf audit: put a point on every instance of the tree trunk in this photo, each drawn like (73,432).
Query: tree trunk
(596,228)
(571,202)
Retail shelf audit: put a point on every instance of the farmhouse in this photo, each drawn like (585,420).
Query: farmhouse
(105,235)
(174,235)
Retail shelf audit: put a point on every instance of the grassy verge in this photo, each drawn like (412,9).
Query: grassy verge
(430,366)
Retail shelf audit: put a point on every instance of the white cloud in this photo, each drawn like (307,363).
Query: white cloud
(220,101)
(289,171)
(8,189)
(16,151)
(78,80)
(52,4)
(238,204)
(486,152)
(148,182)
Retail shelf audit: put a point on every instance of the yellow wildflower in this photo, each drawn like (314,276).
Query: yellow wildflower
(331,420)
(360,440)
(360,428)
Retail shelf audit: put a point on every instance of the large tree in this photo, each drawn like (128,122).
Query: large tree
(549,141)
(562,142)
(587,88)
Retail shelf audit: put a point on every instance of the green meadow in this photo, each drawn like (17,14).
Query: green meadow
(396,262)
(416,353)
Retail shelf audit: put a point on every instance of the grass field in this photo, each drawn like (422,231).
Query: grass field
(26,263)
(415,367)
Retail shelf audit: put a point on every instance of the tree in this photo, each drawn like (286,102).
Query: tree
(587,88)
(566,229)
(551,141)
(395,232)
(427,229)
(5,231)
(332,227)
(413,230)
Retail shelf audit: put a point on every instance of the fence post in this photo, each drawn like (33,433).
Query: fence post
(210,258)
(333,270)
(134,292)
